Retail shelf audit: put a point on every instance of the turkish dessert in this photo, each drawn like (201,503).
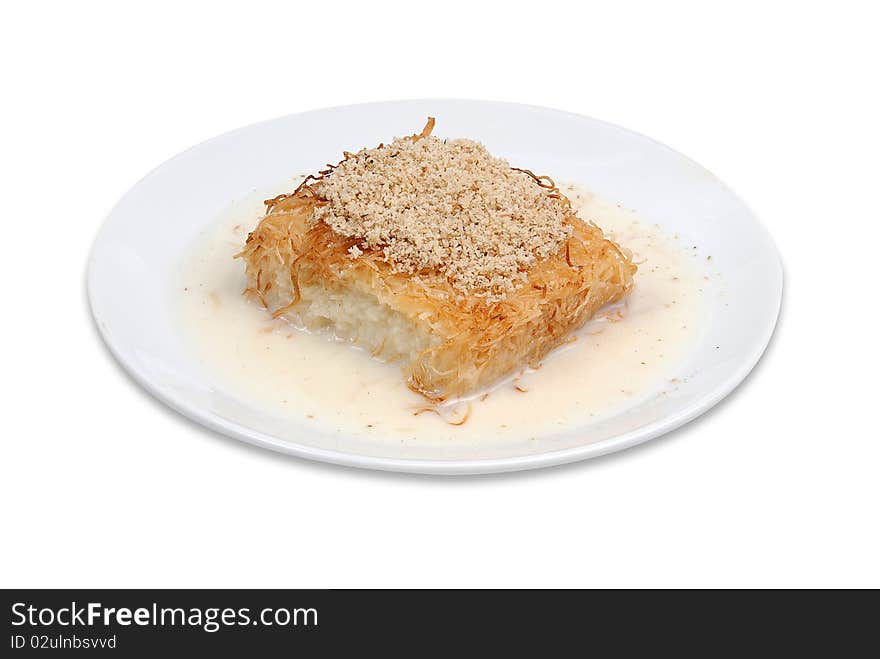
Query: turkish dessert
(435,254)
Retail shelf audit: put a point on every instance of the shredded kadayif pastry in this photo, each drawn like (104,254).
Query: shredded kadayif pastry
(436,254)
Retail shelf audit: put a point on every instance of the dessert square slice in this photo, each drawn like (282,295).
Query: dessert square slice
(434,254)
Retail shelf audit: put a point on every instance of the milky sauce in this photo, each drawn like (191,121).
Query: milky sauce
(623,356)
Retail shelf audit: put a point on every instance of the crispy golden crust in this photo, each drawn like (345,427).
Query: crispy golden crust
(472,343)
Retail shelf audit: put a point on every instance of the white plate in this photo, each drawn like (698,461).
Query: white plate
(141,242)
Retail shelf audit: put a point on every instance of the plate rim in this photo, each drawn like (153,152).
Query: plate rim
(438,466)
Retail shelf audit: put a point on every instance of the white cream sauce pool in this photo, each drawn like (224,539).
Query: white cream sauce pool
(618,359)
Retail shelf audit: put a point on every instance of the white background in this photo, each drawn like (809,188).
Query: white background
(778,486)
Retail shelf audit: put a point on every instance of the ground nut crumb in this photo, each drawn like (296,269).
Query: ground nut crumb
(435,205)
